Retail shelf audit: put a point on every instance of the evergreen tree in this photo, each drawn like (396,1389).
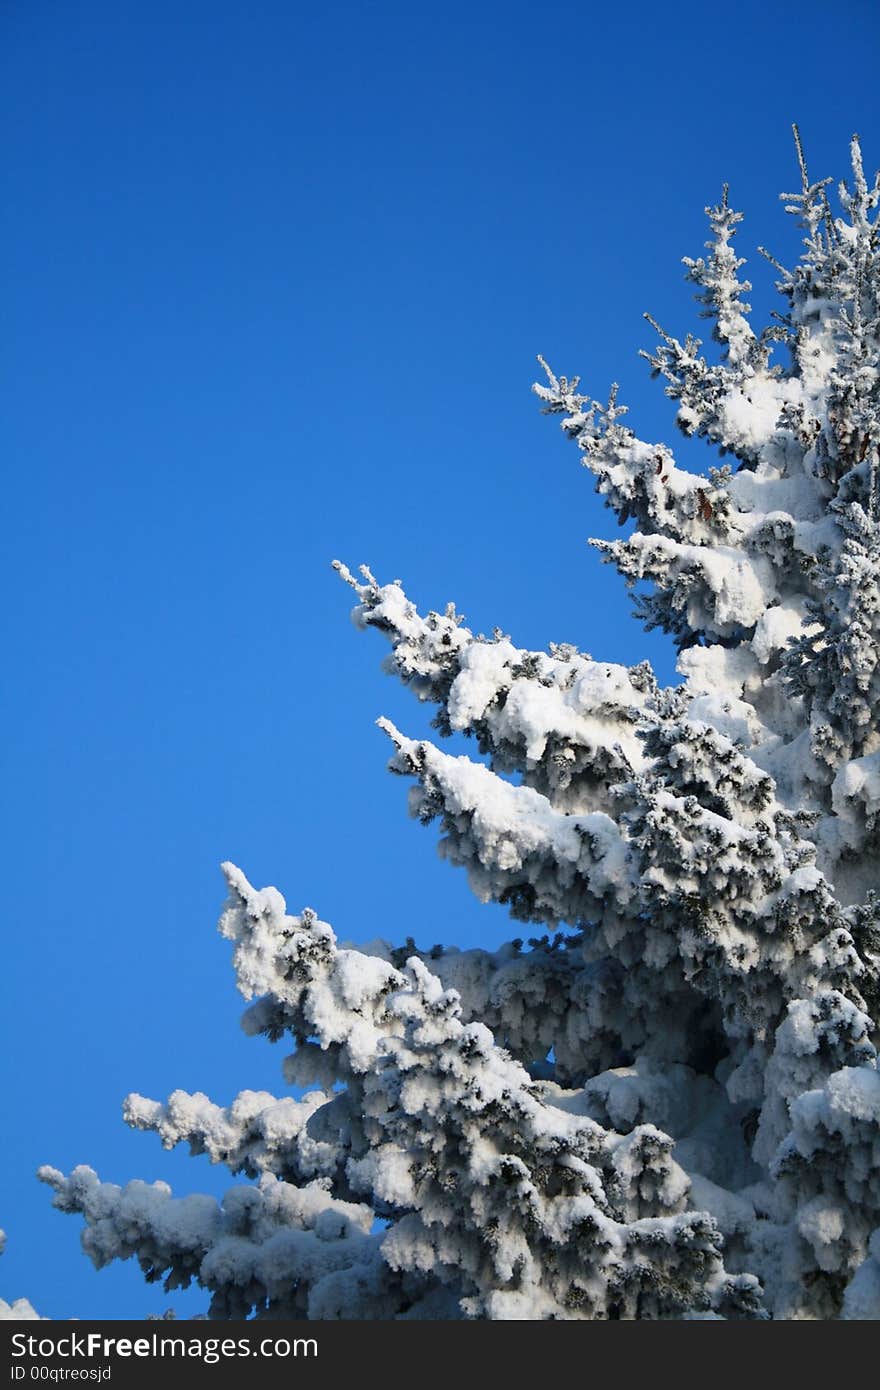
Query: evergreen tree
(668,1105)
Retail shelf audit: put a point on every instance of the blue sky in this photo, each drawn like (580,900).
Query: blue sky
(276,276)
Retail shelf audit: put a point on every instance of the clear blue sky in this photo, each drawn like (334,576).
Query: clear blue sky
(275,277)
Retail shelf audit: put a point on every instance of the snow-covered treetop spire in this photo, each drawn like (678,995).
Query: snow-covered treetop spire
(720,290)
(782,551)
(810,206)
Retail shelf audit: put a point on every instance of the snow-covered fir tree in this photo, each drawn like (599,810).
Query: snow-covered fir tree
(666,1104)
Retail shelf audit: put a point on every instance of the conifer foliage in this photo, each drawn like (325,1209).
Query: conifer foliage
(667,1104)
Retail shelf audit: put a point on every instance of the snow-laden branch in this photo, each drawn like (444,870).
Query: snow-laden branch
(566,723)
(701,867)
(639,481)
(548,865)
(257,1134)
(523,1208)
(281,1250)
